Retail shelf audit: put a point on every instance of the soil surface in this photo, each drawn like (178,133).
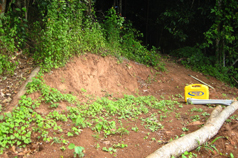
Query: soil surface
(107,77)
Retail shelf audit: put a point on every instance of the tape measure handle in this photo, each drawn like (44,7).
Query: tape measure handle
(196,85)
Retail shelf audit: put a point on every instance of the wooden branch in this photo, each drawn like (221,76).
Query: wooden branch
(201,81)
(199,137)
(234,79)
(22,90)
(234,62)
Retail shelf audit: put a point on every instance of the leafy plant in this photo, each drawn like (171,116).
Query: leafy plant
(6,66)
(185,129)
(195,118)
(63,148)
(111,150)
(209,146)
(187,154)
(119,145)
(78,150)
(136,129)
(205,114)
(196,109)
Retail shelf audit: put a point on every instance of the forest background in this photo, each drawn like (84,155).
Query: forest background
(202,34)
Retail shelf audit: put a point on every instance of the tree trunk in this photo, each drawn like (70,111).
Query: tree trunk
(199,137)
(224,53)
(114,4)
(147,23)
(25,4)
(218,54)
(3,6)
(120,7)
(125,8)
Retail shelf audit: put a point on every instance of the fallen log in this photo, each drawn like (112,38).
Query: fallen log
(197,138)
(22,90)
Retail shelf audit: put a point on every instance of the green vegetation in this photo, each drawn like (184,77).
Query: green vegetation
(209,146)
(211,49)
(59,30)
(78,150)
(62,30)
(187,154)
(24,121)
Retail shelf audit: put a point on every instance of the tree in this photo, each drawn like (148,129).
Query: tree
(3,6)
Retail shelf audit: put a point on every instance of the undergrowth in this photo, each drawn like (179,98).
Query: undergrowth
(63,29)
(196,60)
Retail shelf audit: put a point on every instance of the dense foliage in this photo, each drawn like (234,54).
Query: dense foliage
(61,29)
(204,32)
(214,50)
(201,33)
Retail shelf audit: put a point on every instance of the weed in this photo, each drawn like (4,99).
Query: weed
(83,90)
(56,140)
(97,146)
(182,135)
(178,95)
(195,118)
(180,106)
(96,136)
(224,95)
(232,117)
(209,146)
(231,155)
(228,120)
(188,154)
(152,123)
(62,79)
(63,148)
(185,129)
(119,145)
(177,115)
(78,150)
(54,105)
(205,114)
(111,150)
(196,109)
(136,129)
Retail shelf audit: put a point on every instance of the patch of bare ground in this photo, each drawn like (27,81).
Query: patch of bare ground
(90,76)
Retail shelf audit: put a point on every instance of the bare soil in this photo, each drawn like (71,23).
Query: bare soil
(106,77)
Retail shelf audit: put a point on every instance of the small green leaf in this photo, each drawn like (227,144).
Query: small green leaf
(70,134)
(71,146)
(78,149)
(24,9)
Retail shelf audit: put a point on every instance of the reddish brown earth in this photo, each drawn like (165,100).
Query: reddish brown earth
(105,76)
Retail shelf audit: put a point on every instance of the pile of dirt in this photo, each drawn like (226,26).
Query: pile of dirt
(93,76)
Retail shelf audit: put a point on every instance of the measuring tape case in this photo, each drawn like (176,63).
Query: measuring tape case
(197,91)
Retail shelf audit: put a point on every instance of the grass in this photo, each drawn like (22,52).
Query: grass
(209,146)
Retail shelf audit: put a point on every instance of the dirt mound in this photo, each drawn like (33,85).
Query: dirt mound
(96,75)
(100,76)
(91,76)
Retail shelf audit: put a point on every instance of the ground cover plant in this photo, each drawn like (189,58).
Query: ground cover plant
(105,117)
